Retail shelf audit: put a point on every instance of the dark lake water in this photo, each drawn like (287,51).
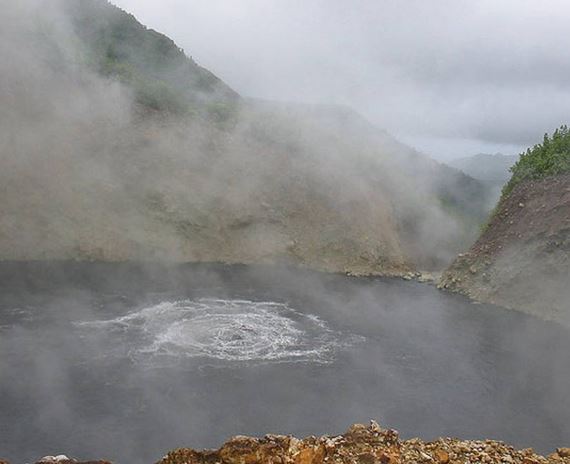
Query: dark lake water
(125,362)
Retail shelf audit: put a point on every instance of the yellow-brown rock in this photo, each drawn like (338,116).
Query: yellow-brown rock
(360,444)
(442,456)
(311,455)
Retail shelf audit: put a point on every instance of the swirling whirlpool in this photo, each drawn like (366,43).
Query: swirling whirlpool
(223,330)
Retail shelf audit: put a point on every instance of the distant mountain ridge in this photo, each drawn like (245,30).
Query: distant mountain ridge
(485,167)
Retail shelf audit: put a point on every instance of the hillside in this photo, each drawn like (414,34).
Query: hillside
(522,259)
(117,146)
(115,44)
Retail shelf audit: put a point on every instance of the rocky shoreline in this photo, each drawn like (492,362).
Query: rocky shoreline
(361,444)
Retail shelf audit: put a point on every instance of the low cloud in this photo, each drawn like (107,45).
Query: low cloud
(487,72)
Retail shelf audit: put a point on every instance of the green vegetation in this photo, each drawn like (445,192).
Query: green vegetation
(550,157)
(162,77)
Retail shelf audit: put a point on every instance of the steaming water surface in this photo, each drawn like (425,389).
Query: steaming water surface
(218,329)
(125,362)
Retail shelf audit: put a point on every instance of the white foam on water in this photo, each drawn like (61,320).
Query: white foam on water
(225,330)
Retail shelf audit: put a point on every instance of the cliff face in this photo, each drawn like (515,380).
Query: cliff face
(116,146)
(522,259)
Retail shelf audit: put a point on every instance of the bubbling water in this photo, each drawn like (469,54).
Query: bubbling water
(223,330)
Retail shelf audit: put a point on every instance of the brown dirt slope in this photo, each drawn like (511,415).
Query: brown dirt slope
(522,259)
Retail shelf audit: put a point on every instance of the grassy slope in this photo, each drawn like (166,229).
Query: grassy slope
(548,158)
(162,76)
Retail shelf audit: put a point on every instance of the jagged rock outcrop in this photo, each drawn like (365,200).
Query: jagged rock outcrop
(361,444)
(522,259)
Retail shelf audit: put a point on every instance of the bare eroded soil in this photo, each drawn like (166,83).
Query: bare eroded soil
(521,261)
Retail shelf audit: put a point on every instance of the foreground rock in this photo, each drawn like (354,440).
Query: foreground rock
(522,259)
(63,459)
(361,444)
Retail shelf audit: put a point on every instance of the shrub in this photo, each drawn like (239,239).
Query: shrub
(550,157)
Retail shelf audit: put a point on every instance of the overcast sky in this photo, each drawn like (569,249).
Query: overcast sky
(450,77)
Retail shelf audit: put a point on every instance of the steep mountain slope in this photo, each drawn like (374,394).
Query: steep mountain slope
(522,259)
(116,146)
(115,44)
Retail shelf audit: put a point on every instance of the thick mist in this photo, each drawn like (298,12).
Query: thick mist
(452,78)
(90,173)
(93,181)
(425,362)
